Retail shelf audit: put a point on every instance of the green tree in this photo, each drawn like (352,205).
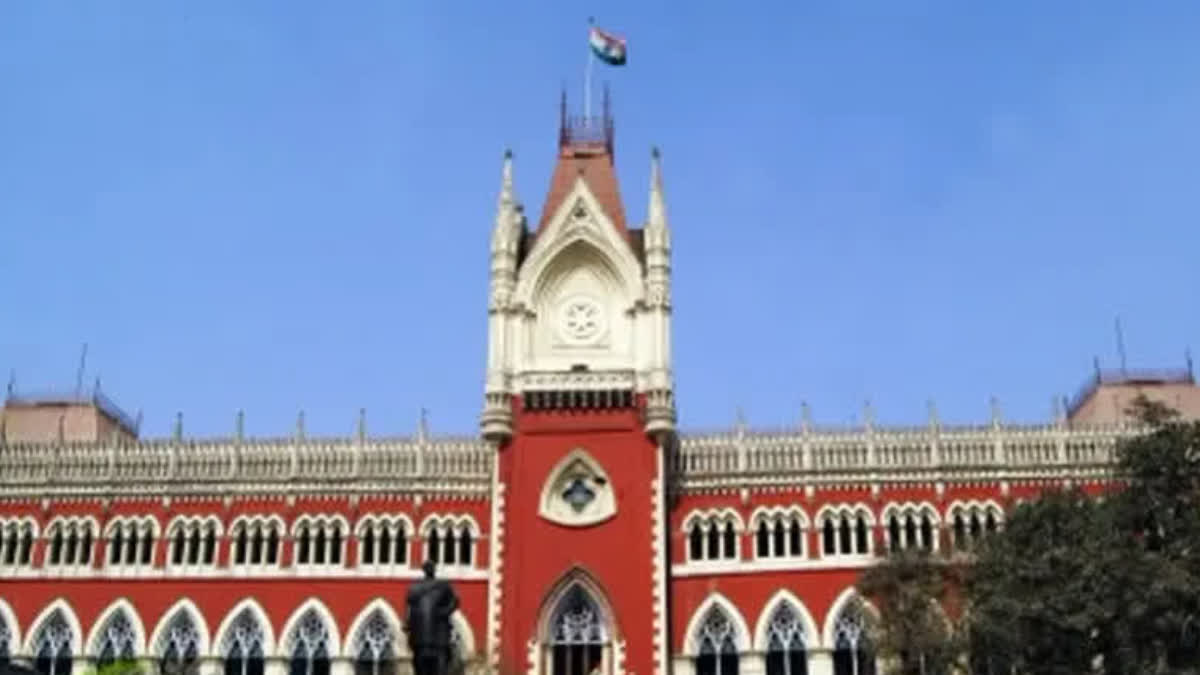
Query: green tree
(1074,585)
(914,635)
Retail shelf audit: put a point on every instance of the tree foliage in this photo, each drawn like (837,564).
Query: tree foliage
(1072,584)
(913,628)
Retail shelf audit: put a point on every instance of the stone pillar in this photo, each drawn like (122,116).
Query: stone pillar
(276,666)
(752,663)
(213,666)
(820,663)
(684,665)
(341,666)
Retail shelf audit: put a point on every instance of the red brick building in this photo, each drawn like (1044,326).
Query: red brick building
(582,532)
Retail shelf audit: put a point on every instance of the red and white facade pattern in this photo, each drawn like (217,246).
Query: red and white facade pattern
(581,532)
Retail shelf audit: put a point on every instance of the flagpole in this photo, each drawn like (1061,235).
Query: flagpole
(587,77)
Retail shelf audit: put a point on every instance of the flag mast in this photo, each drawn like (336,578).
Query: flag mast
(587,77)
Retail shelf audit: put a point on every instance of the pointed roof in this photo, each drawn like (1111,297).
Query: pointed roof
(585,150)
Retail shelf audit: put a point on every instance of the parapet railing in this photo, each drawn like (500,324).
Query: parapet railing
(746,458)
(170,465)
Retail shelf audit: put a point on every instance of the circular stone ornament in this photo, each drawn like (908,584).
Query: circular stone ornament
(581,319)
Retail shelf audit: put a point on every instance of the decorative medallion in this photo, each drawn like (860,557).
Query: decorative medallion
(581,319)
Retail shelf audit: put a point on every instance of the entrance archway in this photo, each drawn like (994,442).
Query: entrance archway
(577,631)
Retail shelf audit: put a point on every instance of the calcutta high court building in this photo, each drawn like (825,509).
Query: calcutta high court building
(582,531)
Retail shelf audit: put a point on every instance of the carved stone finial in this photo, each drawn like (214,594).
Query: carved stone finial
(805,417)
(933,414)
(239,426)
(656,216)
(62,421)
(362,424)
(740,421)
(995,404)
(177,434)
(868,414)
(300,426)
(423,425)
(1056,408)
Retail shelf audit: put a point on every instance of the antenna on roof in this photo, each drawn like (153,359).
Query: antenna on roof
(12,382)
(79,374)
(1187,355)
(1121,346)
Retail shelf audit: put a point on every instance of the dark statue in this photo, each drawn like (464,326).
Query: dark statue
(427,619)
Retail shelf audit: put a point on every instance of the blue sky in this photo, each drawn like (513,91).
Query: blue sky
(281,206)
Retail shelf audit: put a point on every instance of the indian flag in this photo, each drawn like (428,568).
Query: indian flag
(607,47)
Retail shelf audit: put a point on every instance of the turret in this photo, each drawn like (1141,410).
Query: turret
(659,388)
(496,421)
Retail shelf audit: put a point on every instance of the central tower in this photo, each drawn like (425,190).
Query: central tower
(579,405)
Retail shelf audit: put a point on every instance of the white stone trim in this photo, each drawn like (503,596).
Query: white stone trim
(720,515)
(318,519)
(78,645)
(835,610)
(658,553)
(19,522)
(393,618)
(313,603)
(187,606)
(10,620)
(385,519)
(851,510)
(812,633)
(555,509)
(189,520)
(128,521)
(495,569)
(706,568)
(260,615)
(716,599)
(135,621)
(459,621)
(777,511)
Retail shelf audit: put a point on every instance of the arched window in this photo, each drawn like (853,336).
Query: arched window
(116,640)
(577,635)
(696,542)
(5,642)
(52,649)
(309,646)
(852,651)
(243,648)
(435,547)
(716,645)
(786,653)
(179,647)
(375,646)
(713,536)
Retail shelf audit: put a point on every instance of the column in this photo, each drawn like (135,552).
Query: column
(820,662)
(752,663)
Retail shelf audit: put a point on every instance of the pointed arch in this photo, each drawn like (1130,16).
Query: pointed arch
(253,611)
(839,605)
(293,628)
(355,635)
(113,614)
(563,230)
(161,637)
(40,623)
(716,602)
(812,634)
(576,578)
(465,636)
(577,468)
(10,630)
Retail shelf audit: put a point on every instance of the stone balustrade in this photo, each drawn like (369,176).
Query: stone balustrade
(740,458)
